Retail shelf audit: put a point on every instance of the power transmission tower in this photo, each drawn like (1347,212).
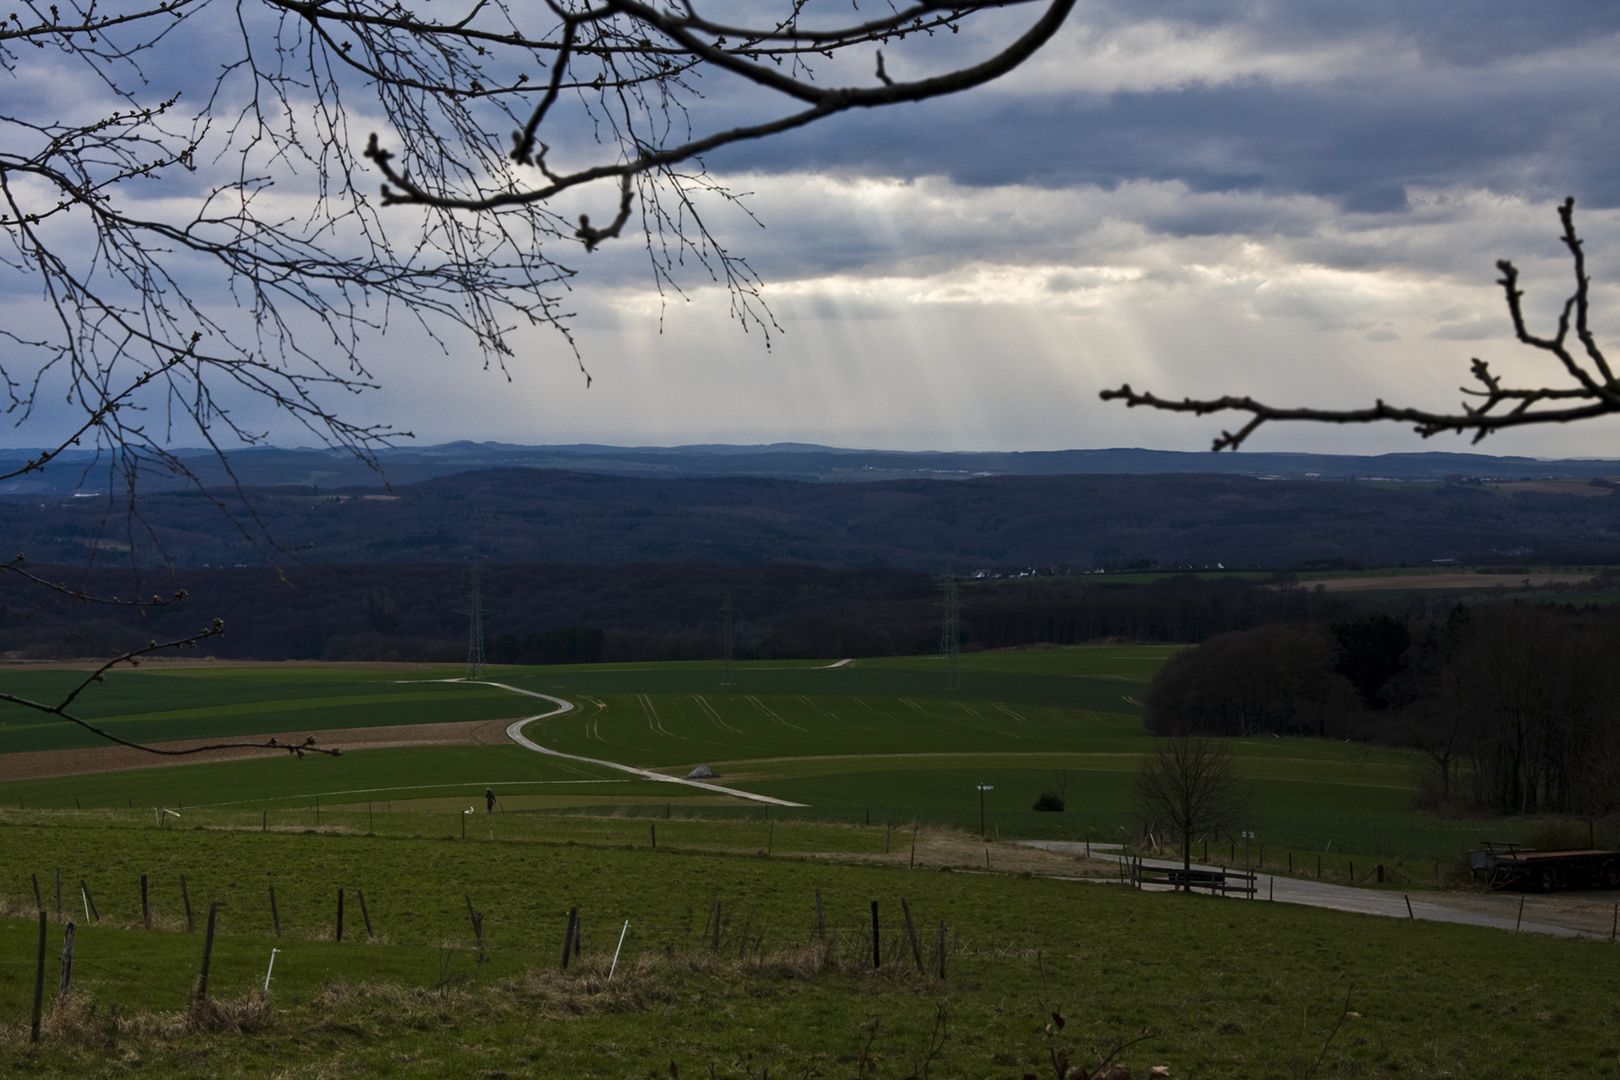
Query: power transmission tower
(950,634)
(726,636)
(475,631)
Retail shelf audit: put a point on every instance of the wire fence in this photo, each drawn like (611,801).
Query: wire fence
(163,968)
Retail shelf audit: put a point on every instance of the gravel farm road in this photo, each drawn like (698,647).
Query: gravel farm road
(1584,917)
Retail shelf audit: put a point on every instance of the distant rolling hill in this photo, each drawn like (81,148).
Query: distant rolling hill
(272,466)
(525,515)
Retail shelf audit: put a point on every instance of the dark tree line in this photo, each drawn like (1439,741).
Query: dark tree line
(1515,706)
(1175,608)
(548,613)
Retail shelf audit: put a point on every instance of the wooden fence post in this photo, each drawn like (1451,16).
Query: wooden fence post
(275,916)
(654,828)
(58,892)
(340,916)
(364,914)
(67,961)
(877,945)
(39,980)
(911,932)
(186,897)
(146,910)
(568,937)
(208,953)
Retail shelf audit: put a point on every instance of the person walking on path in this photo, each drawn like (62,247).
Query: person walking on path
(489,799)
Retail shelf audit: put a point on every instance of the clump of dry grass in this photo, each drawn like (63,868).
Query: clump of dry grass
(589,986)
(77,1019)
(249,1012)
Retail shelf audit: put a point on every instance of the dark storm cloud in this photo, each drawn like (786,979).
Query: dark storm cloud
(1486,105)
(1466,33)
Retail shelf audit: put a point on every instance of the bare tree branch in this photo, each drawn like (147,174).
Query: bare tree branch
(77,592)
(133,658)
(1499,407)
(686,36)
(207,253)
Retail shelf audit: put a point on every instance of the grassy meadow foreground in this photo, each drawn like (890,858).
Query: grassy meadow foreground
(1220,987)
(749,944)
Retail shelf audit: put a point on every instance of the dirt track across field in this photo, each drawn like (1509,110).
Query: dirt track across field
(38,764)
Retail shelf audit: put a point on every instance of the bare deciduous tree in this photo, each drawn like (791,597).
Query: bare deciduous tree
(1591,390)
(1189,784)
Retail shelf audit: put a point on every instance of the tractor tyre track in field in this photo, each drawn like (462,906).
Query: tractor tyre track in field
(514,731)
(774,715)
(714,714)
(654,721)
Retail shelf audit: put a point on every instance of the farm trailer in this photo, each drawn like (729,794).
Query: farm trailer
(1508,866)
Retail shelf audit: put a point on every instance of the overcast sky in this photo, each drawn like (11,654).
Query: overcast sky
(1299,200)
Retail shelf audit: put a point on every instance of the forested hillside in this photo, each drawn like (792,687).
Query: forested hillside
(991,523)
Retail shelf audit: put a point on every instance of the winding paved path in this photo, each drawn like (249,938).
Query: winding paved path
(514,731)
(1320,894)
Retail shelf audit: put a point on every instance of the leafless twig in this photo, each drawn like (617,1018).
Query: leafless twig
(1343,1014)
(133,658)
(1499,407)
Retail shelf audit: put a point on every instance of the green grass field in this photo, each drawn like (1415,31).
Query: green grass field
(1221,987)
(157,703)
(877,740)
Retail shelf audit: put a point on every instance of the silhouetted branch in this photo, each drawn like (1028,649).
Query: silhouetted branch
(206,256)
(699,42)
(76,592)
(1343,1014)
(1500,407)
(133,658)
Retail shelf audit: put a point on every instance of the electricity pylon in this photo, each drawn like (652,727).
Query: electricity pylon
(726,636)
(475,631)
(950,634)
